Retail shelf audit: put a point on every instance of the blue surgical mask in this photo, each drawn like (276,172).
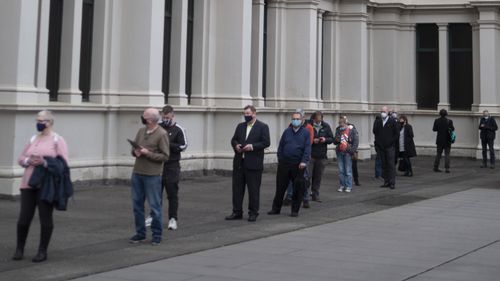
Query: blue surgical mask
(40,126)
(296,123)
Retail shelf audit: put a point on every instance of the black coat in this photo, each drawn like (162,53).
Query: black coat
(258,138)
(386,136)
(177,141)
(442,126)
(488,131)
(408,140)
(319,150)
(54,182)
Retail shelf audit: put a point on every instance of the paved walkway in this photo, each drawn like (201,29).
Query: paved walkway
(92,236)
(454,237)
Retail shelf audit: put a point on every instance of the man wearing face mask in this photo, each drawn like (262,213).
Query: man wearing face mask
(488,127)
(294,154)
(323,136)
(249,141)
(172,168)
(151,149)
(386,131)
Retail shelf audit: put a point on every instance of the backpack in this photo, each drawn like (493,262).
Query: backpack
(452,136)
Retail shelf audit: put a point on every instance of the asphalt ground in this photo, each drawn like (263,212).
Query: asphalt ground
(92,236)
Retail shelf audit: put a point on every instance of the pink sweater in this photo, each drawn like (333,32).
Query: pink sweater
(43,146)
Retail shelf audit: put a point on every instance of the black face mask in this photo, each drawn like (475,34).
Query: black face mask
(248,118)
(144,121)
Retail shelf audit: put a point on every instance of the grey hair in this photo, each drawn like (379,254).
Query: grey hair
(47,114)
(299,111)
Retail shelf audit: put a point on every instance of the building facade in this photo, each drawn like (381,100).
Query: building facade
(98,63)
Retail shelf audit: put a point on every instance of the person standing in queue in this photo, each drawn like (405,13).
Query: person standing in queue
(406,144)
(488,127)
(386,131)
(294,154)
(249,141)
(443,126)
(322,137)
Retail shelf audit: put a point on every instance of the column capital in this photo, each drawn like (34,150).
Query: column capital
(442,26)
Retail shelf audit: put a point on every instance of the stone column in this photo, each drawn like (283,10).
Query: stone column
(42,50)
(330,60)
(353,63)
(319,56)
(257,66)
(18,30)
(178,53)
(70,52)
(489,59)
(443,67)
(225,54)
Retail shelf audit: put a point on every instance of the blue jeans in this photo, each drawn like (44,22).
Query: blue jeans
(150,188)
(289,190)
(344,161)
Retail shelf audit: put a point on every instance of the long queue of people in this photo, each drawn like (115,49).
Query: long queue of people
(157,146)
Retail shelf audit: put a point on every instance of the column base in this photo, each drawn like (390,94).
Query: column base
(70,96)
(178,99)
(492,108)
(443,106)
(222,101)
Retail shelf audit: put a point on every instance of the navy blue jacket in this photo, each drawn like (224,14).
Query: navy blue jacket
(295,147)
(54,182)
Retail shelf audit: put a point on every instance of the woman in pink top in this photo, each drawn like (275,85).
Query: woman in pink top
(45,144)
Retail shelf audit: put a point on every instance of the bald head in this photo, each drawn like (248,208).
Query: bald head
(152,115)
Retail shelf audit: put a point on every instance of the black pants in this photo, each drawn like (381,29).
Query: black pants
(317,167)
(355,173)
(488,143)
(388,158)
(171,174)
(440,150)
(407,161)
(242,176)
(289,172)
(30,200)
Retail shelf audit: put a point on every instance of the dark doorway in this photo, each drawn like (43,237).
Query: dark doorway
(86,48)
(427,66)
(54,48)
(167,31)
(189,52)
(460,66)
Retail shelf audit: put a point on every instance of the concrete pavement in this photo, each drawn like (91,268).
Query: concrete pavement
(92,236)
(454,237)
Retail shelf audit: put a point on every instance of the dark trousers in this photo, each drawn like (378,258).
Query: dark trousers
(488,143)
(407,161)
(289,172)
(355,173)
(242,177)
(316,168)
(387,157)
(30,200)
(440,150)
(171,175)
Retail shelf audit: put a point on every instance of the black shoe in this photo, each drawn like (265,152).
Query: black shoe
(437,170)
(447,171)
(18,255)
(410,174)
(233,217)
(306,205)
(273,212)
(492,167)
(356,183)
(294,214)
(392,186)
(41,256)
(484,165)
(386,184)
(252,218)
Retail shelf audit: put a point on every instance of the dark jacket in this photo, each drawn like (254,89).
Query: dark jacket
(353,140)
(54,182)
(319,150)
(488,131)
(258,138)
(408,141)
(295,147)
(177,141)
(386,136)
(442,126)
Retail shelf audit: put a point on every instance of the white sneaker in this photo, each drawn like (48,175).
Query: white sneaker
(172,224)
(348,190)
(148,221)
(341,189)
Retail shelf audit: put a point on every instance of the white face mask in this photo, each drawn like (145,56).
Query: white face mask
(384,115)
